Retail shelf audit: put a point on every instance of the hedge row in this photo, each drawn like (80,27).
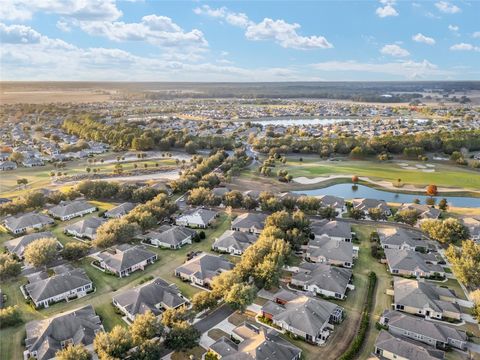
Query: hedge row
(357,342)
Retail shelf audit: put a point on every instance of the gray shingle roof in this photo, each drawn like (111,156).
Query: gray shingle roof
(120,210)
(238,240)
(419,293)
(365,204)
(168,234)
(45,336)
(410,260)
(205,266)
(198,216)
(398,237)
(324,276)
(70,207)
(406,348)
(332,228)
(434,330)
(27,220)
(332,201)
(148,296)
(57,284)
(18,245)
(249,220)
(86,227)
(125,256)
(332,249)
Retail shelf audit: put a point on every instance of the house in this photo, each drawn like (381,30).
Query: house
(425,299)
(330,251)
(120,210)
(154,296)
(18,224)
(249,223)
(473,225)
(234,242)
(197,218)
(170,236)
(367,204)
(336,230)
(402,239)
(47,336)
(67,210)
(85,228)
(249,341)
(433,333)
(7,165)
(388,346)
(323,279)
(32,162)
(423,211)
(45,290)
(333,202)
(124,259)
(310,318)
(17,246)
(203,268)
(413,263)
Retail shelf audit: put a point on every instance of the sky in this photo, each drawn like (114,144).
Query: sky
(142,40)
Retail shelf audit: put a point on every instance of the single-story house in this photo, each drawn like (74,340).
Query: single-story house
(323,279)
(7,165)
(67,210)
(45,290)
(367,204)
(32,162)
(388,346)
(425,299)
(337,230)
(402,239)
(310,318)
(203,268)
(17,246)
(423,211)
(18,224)
(234,242)
(249,223)
(47,336)
(333,252)
(249,341)
(124,259)
(334,202)
(413,263)
(473,225)
(434,333)
(85,228)
(170,236)
(120,210)
(154,296)
(197,218)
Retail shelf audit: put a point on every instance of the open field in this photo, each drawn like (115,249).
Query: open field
(39,177)
(106,286)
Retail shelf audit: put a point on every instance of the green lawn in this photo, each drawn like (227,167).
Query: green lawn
(445,175)
(105,287)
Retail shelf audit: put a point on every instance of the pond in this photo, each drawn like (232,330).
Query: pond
(347,191)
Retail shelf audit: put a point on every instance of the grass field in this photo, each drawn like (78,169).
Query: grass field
(39,177)
(105,287)
(445,175)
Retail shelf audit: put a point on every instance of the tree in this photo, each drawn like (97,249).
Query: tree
(75,251)
(356,214)
(355,179)
(10,316)
(9,266)
(407,216)
(113,344)
(182,337)
(148,350)
(41,252)
(475,296)
(16,157)
(446,231)
(203,300)
(114,231)
(465,263)
(443,204)
(88,170)
(145,327)
(233,198)
(432,190)
(22,181)
(73,352)
(376,214)
(170,317)
(191,147)
(240,296)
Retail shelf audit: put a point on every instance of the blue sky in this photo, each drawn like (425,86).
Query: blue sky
(239,40)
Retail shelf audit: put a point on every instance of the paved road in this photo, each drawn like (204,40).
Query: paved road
(214,318)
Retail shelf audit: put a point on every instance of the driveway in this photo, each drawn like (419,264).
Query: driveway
(214,318)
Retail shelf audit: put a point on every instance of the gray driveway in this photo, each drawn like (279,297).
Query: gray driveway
(214,318)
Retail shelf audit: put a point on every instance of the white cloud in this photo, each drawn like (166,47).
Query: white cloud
(423,39)
(18,34)
(387,9)
(476,34)
(156,30)
(279,31)
(394,50)
(63,25)
(86,10)
(464,47)
(447,8)
(403,69)
(453,28)
(285,35)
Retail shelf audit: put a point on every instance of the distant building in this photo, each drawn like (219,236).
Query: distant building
(197,218)
(120,210)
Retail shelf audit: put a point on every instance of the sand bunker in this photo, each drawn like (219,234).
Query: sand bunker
(409,168)
(428,170)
